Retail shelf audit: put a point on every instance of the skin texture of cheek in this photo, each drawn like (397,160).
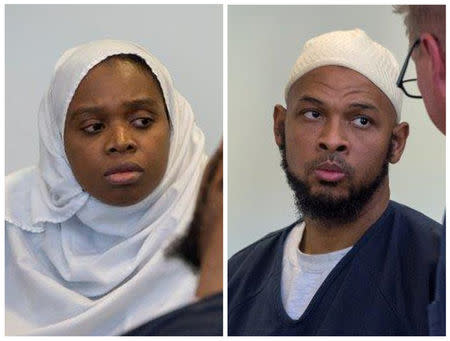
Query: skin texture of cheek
(89,167)
(370,162)
(430,98)
(300,148)
(425,86)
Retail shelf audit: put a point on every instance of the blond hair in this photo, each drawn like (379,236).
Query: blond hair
(424,18)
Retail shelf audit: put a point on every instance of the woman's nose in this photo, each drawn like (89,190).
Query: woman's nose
(120,140)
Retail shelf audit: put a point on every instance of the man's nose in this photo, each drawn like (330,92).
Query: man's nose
(120,140)
(333,137)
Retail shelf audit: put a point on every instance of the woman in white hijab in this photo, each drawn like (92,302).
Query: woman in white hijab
(121,159)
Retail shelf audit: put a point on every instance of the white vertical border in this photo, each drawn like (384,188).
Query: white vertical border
(225,164)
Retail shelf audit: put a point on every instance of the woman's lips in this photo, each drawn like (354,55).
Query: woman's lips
(124,178)
(124,174)
(329,172)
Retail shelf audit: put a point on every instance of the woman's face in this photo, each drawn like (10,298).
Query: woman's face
(116,134)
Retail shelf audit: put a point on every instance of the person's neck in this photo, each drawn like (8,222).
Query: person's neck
(322,236)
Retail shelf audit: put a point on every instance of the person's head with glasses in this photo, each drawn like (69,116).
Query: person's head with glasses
(425,26)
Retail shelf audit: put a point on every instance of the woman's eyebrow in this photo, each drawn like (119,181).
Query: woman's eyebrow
(83,110)
(141,103)
(133,104)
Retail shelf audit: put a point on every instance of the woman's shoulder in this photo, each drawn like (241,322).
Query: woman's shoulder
(20,179)
(18,193)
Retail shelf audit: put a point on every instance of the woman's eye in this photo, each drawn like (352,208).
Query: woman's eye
(312,115)
(142,122)
(93,128)
(361,122)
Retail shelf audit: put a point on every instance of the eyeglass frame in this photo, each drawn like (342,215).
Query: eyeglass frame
(400,79)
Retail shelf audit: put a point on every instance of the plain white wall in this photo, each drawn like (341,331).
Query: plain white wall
(187,39)
(264,42)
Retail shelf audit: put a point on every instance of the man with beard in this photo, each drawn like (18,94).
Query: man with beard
(425,25)
(201,249)
(355,263)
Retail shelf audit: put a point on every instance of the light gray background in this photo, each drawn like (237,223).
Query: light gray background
(187,39)
(264,42)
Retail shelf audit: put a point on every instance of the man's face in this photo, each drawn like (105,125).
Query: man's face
(432,86)
(337,132)
(202,244)
(116,133)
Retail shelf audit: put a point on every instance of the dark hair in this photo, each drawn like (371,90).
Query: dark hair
(142,64)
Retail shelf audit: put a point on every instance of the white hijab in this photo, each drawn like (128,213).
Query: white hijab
(76,266)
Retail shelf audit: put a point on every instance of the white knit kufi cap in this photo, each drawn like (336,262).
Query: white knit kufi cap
(355,50)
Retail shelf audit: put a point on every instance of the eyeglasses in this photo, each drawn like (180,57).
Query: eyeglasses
(409,86)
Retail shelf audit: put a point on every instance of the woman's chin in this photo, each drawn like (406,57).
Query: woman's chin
(123,199)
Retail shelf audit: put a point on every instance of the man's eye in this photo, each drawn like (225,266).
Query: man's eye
(312,115)
(142,122)
(361,122)
(93,128)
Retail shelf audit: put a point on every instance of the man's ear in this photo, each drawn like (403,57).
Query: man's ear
(399,136)
(279,117)
(436,57)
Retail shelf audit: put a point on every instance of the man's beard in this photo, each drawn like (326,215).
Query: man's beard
(324,206)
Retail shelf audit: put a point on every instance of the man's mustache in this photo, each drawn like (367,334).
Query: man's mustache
(333,158)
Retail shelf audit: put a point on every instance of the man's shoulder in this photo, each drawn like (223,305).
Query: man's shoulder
(416,221)
(250,269)
(258,249)
(203,318)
